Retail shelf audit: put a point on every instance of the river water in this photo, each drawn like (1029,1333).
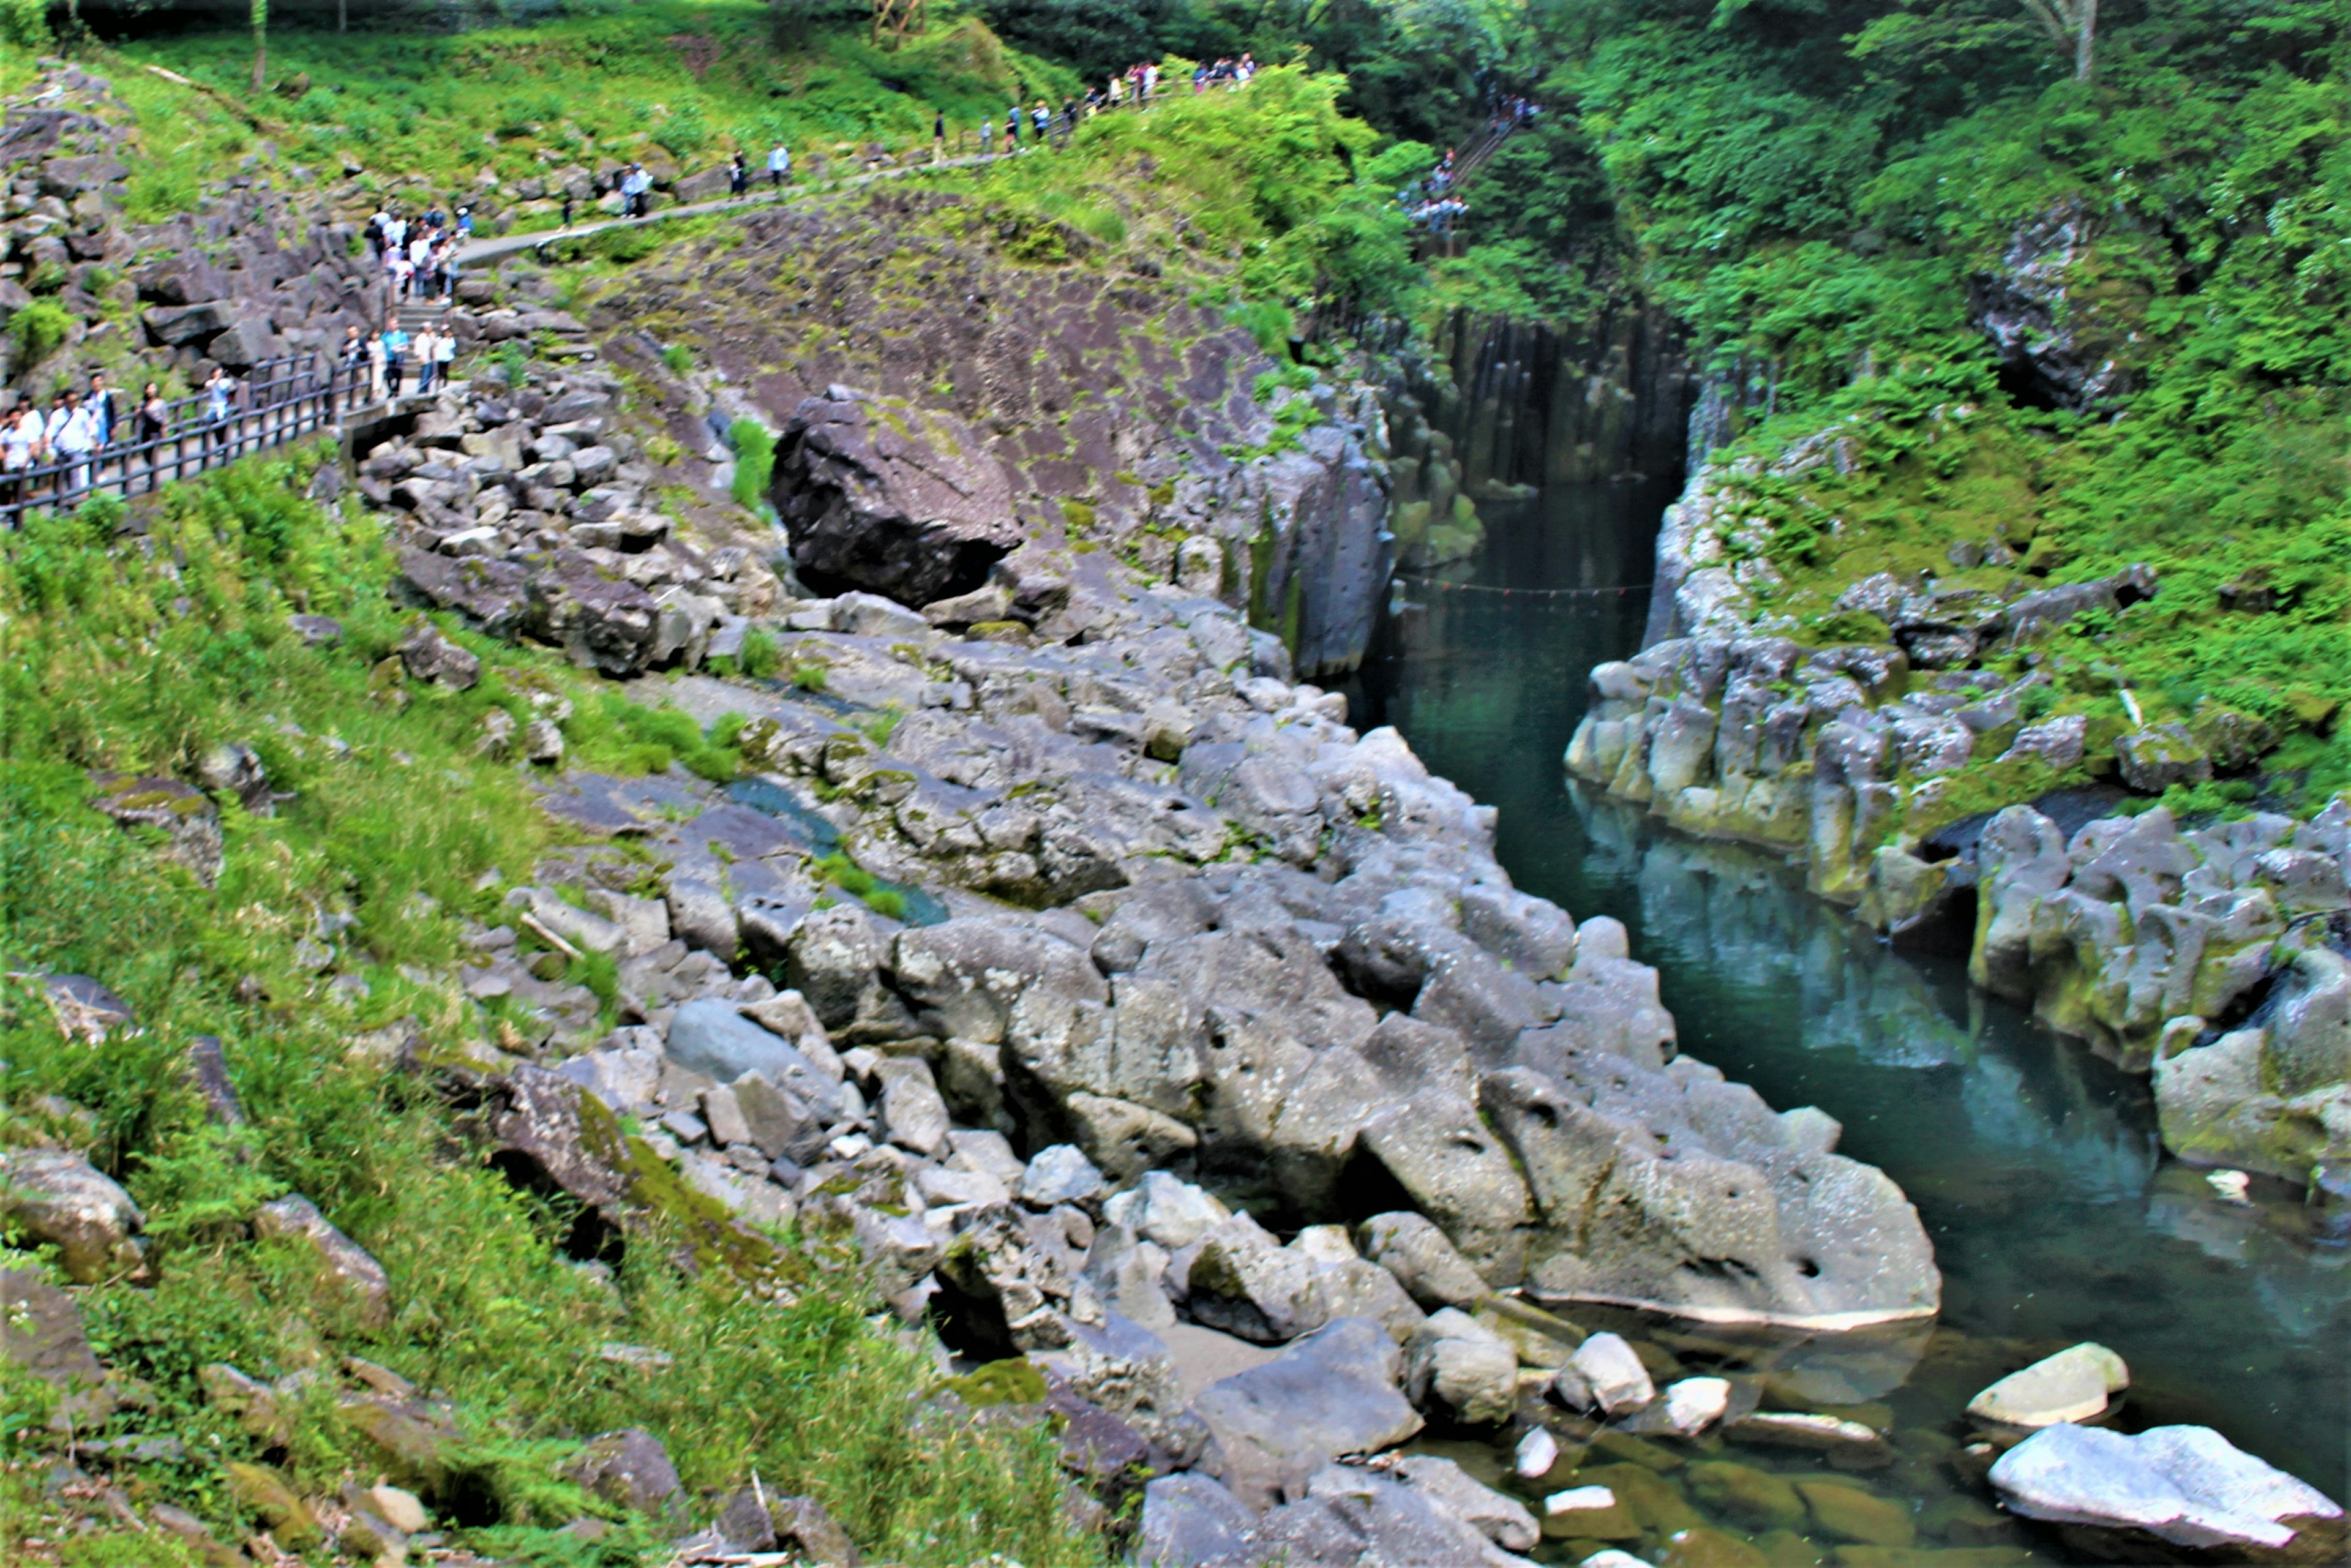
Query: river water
(2034,1166)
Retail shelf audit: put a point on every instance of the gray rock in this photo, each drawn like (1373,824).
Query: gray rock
(870,615)
(1245,1282)
(963,976)
(1820,1240)
(427,655)
(913,1112)
(1504,1520)
(2186,1485)
(55,1197)
(1604,1374)
(1466,1366)
(631,1469)
(2154,759)
(1429,1268)
(1193,1521)
(346,1275)
(41,1331)
(1331,1392)
(1165,1211)
(1351,1517)
(1060,1174)
(710,1037)
(237,770)
(2070,1385)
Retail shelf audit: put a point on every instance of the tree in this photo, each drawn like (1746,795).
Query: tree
(260,46)
(2071,25)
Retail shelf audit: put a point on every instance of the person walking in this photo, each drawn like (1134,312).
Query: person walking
(1012,129)
(427,340)
(395,354)
(18,438)
(938,136)
(465,223)
(154,416)
(738,177)
(567,207)
(219,407)
(987,138)
(100,402)
(378,363)
(779,163)
(1040,119)
(351,363)
(445,354)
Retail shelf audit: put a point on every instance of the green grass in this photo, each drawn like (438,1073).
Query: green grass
(394,827)
(599,85)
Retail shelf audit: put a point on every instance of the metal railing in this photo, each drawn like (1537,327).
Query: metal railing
(282,401)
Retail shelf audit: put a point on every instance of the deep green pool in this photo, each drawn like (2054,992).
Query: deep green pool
(2035,1167)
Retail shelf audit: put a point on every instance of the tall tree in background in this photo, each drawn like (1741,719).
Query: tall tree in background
(260,45)
(2072,25)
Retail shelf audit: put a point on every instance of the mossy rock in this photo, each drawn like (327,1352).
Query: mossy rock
(1013,1381)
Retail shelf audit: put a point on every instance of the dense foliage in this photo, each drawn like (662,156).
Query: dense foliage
(141,659)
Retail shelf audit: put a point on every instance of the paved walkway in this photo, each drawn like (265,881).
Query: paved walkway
(491,249)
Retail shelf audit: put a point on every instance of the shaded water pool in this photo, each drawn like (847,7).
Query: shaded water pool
(2034,1166)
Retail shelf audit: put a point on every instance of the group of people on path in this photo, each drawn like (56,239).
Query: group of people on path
(72,437)
(419,256)
(1224,72)
(380,361)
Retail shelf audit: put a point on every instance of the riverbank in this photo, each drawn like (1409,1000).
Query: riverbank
(2034,1163)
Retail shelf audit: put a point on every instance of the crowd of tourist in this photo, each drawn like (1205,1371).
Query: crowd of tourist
(419,255)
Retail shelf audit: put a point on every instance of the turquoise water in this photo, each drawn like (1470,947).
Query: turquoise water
(2035,1167)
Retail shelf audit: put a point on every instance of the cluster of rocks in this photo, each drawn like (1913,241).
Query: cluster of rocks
(1108,411)
(527,511)
(2153,944)
(254,272)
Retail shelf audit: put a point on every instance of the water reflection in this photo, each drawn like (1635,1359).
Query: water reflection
(2034,1166)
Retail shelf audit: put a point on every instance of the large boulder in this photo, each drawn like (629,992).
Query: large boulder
(712,1037)
(1679,1191)
(878,493)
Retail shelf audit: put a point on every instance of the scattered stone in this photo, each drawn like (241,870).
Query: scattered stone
(1455,1359)
(1429,1266)
(1604,1374)
(430,656)
(1537,1452)
(2186,1485)
(1849,1513)
(1695,1403)
(55,1197)
(353,1280)
(1742,1495)
(628,1469)
(41,1331)
(1056,1175)
(1589,1513)
(266,1493)
(1192,1521)
(2071,1386)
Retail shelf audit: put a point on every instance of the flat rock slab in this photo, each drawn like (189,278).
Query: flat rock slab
(1331,1393)
(616,807)
(2186,1485)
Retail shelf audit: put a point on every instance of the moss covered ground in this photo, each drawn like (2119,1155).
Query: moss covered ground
(140,654)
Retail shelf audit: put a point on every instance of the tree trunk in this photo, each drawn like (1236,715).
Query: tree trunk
(260,47)
(342,15)
(2086,39)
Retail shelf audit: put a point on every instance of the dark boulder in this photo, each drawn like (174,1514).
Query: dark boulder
(880,494)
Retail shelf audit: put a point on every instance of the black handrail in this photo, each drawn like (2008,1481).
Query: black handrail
(283,400)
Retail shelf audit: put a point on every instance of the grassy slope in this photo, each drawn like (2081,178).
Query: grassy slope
(1812,189)
(690,81)
(101,673)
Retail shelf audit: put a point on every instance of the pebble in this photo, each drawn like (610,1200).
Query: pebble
(1538,1452)
(2071,1386)
(1696,1402)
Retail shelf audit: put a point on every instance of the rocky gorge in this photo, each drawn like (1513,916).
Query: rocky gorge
(1178,1055)
(2211,956)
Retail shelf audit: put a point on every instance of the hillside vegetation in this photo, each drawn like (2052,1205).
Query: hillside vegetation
(144,661)
(1827,196)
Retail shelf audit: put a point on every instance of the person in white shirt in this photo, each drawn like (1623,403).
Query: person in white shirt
(19,434)
(444,352)
(427,340)
(73,436)
(779,163)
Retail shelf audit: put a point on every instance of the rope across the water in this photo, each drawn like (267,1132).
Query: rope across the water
(1618,592)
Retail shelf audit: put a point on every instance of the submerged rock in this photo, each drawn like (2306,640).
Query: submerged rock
(2070,1385)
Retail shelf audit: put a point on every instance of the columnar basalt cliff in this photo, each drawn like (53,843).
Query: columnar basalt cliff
(2208,955)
